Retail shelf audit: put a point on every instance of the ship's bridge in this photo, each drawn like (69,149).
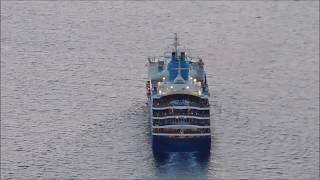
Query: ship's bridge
(177,79)
(177,74)
(180,86)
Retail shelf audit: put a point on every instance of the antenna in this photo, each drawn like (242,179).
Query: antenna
(176,42)
(179,79)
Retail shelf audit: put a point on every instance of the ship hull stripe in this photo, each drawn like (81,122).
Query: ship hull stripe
(181,126)
(174,134)
(179,116)
(180,107)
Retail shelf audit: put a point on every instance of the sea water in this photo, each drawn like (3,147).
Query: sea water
(73,88)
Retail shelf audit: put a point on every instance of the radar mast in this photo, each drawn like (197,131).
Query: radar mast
(176,42)
(178,79)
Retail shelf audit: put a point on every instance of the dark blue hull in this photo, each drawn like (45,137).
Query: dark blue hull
(163,144)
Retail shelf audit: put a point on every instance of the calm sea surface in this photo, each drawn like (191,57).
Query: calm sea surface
(73,88)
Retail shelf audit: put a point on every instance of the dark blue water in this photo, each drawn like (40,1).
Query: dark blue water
(73,88)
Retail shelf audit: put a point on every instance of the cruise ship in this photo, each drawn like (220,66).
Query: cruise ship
(178,103)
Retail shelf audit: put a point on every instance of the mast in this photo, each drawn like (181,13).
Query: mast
(179,78)
(176,42)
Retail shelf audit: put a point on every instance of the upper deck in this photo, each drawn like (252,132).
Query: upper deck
(178,74)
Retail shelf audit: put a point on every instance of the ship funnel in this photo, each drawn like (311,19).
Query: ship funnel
(173,57)
(178,67)
(179,79)
(183,56)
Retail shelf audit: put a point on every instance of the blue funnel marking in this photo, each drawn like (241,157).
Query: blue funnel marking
(173,67)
